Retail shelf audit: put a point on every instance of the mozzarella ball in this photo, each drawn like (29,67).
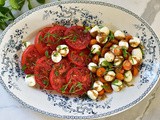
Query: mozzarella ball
(63,50)
(92,67)
(97,85)
(56,57)
(104,30)
(134,42)
(95,48)
(128,76)
(92,94)
(117,85)
(94,31)
(25,45)
(118,60)
(109,56)
(30,80)
(119,35)
(113,47)
(110,76)
(137,53)
(101,38)
(124,44)
(101,61)
(133,60)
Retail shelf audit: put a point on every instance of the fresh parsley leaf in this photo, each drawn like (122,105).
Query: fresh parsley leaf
(41,1)
(2,2)
(29,5)
(17,4)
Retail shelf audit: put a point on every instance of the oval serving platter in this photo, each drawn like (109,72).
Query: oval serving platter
(77,13)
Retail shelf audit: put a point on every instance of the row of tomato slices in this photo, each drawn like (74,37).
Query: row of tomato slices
(70,75)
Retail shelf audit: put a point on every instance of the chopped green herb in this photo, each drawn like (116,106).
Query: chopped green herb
(56,73)
(110,36)
(104,86)
(45,82)
(115,82)
(124,51)
(81,53)
(47,54)
(64,48)
(24,67)
(60,67)
(29,75)
(74,38)
(64,87)
(98,53)
(87,29)
(94,66)
(25,43)
(55,54)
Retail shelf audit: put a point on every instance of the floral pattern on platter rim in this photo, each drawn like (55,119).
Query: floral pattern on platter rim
(73,13)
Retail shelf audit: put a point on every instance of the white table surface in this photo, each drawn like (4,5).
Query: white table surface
(148,109)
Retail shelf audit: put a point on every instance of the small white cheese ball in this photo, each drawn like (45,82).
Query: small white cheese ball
(109,76)
(101,60)
(118,60)
(113,47)
(63,50)
(119,35)
(133,60)
(117,85)
(104,30)
(94,31)
(137,53)
(97,85)
(92,67)
(109,56)
(134,42)
(30,80)
(25,44)
(92,94)
(124,44)
(56,57)
(95,48)
(128,76)
(101,39)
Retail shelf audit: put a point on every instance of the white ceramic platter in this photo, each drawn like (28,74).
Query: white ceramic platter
(78,12)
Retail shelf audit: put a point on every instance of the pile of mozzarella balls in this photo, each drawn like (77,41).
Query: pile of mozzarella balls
(105,51)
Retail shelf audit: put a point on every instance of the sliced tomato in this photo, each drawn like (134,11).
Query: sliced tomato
(56,36)
(58,74)
(29,58)
(49,38)
(40,40)
(79,58)
(77,38)
(78,80)
(42,71)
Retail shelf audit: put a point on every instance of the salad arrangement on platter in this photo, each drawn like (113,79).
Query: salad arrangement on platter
(82,60)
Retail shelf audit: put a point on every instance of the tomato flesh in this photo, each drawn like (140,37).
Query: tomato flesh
(58,74)
(78,80)
(79,58)
(42,70)
(77,38)
(29,58)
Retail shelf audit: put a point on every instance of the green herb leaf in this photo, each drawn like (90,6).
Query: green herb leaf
(124,51)
(74,38)
(87,28)
(56,73)
(47,54)
(2,2)
(29,5)
(81,53)
(17,4)
(24,67)
(104,86)
(41,1)
(29,75)
(45,82)
(110,36)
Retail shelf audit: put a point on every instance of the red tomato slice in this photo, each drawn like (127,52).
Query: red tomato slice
(78,39)
(40,41)
(58,74)
(78,80)
(79,58)
(29,58)
(56,36)
(42,71)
